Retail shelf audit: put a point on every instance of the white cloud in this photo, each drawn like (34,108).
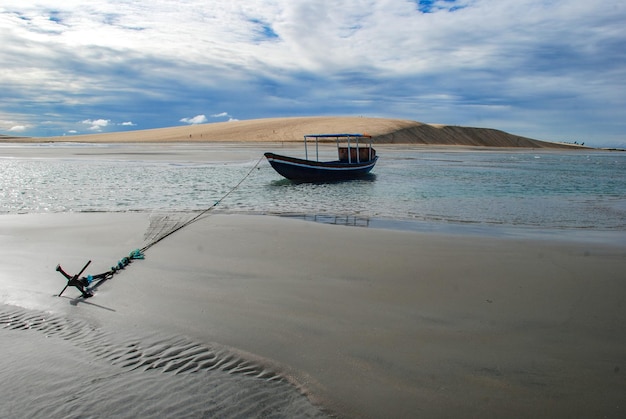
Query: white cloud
(128,124)
(97,125)
(198,119)
(224,115)
(18,128)
(97,122)
(317,56)
(387,35)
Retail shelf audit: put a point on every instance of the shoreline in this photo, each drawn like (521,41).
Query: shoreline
(391,327)
(448,228)
(580,236)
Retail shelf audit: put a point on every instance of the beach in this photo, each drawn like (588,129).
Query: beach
(244,313)
(359,322)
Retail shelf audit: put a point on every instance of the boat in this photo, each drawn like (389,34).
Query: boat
(354,160)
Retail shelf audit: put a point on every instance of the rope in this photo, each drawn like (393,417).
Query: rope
(84,284)
(197,217)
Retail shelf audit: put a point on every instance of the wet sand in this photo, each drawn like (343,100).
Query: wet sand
(363,322)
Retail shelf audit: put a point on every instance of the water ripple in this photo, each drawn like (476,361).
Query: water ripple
(540,189)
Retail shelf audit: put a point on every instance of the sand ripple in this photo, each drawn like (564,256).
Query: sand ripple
(171,376)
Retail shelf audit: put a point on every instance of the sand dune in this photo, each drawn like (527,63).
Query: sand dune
(396,131)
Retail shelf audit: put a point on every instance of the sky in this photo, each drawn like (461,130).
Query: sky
(552,70)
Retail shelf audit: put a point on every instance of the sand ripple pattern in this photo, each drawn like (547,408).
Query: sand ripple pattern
(193,380)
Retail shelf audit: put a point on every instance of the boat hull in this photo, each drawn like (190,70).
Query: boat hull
(301,170)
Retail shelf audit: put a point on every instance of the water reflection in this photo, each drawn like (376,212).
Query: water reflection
(344,220)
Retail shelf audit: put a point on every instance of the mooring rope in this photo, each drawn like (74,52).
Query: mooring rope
(83,284)
(197,217)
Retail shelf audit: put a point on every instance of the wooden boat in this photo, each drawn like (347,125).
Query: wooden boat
(354,160)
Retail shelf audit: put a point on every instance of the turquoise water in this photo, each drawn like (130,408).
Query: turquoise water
(566,190)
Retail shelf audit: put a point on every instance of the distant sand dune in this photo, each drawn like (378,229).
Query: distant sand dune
(384,131)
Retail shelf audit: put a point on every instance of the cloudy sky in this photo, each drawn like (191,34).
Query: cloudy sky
(548,69)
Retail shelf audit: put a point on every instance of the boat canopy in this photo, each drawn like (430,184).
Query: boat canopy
(337,135)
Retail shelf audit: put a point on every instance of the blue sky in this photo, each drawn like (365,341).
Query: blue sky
(551,70)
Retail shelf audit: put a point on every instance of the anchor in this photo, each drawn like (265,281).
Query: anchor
(76,281)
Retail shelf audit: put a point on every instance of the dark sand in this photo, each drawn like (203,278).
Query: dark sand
(364,322)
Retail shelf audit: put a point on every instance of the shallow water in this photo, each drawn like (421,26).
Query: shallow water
(567,190)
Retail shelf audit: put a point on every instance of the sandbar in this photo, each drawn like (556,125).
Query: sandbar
(364,322)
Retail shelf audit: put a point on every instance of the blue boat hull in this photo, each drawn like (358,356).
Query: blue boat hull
(301,170)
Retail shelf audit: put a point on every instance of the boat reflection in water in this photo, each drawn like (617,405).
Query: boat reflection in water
(344,220)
